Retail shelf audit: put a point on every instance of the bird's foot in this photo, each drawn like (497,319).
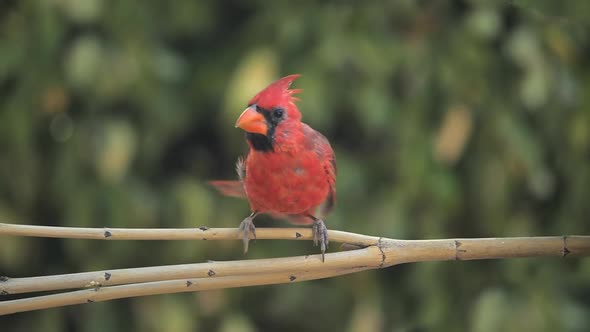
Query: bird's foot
(320,235)
(246,228)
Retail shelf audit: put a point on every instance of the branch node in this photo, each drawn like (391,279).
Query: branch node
(298,235)
(89,301)
(93,283)
(188,283)
(457,250)
(3,292)
(565,251)
(383,257)
(107,276)
(4,278)
(292,278)
(204,228)
(211,273)
(107,233)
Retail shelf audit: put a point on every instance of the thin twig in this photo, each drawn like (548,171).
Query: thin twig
(367,257)
(199,233)
(162,287)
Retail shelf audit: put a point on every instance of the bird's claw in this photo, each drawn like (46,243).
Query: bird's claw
(320,235)
(246,228)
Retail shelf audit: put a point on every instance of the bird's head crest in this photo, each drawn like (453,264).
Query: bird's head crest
(277,93)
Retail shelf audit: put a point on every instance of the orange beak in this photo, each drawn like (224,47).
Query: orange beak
(252,121)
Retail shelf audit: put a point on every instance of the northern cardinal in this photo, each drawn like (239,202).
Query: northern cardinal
(290,169)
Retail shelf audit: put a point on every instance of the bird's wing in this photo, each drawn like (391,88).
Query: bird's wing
(321,146)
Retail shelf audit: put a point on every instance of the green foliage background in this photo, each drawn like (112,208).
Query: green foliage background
(449,119)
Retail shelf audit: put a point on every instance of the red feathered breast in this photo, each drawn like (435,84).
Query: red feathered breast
(286,182)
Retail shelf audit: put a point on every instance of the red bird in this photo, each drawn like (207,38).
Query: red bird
(290,169)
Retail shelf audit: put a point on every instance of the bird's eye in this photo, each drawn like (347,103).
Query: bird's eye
(278,113)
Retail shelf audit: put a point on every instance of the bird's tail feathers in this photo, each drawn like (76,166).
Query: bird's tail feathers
(229,188)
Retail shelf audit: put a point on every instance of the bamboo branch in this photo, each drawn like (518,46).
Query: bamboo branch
(200,233)
(388,252)
(412,251)
(162,287)
(369,257)
(374,253)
